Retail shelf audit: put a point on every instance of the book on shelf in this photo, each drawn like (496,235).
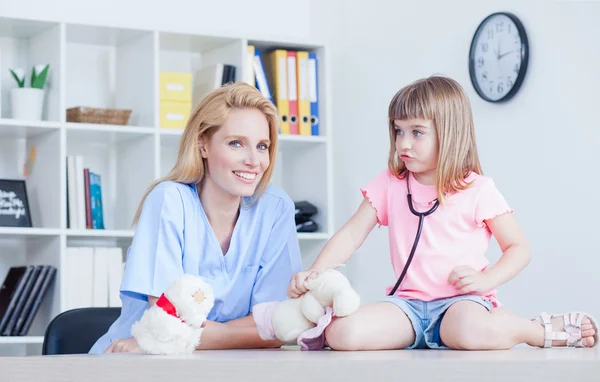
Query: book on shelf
(289,79)
(84,196)
(21,295)
(210,78)
(93,277)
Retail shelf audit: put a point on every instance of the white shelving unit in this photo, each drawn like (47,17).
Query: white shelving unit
(119,68)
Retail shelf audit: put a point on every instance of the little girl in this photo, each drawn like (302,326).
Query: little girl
(440,211)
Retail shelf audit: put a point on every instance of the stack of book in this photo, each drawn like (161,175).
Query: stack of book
(21,295)
(84,196)
(93,277)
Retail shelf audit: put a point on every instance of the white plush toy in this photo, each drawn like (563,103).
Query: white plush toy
(329,293)
(175,323)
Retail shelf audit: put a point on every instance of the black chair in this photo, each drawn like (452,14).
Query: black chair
(75,331)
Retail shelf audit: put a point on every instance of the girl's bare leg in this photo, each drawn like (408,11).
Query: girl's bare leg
(379,326)
(468,325)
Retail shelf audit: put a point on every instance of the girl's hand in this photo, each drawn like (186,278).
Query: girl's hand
(467,280)
(296,287)
(125,345)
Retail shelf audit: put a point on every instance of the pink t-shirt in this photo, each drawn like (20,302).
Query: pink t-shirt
(455,234)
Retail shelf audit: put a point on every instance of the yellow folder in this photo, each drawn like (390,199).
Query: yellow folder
(277,73)
(304,125)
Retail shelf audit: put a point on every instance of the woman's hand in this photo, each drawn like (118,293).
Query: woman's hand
(125,345)
(296,287)
(467,280)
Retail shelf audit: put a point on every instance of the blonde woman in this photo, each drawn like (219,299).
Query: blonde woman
(441,212)
(214,215)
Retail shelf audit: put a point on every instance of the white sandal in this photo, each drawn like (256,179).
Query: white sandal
(571,331)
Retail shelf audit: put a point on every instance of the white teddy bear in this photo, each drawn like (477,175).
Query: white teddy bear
(304,319)
(175,323)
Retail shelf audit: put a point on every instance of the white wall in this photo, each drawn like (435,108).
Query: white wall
(253,18)
(542,148)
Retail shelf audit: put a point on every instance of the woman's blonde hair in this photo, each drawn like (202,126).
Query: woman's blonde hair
(445,102)
(204,121)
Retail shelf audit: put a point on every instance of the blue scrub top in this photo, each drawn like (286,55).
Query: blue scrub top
(173,237)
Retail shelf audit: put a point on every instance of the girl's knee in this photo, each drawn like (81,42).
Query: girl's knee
(468,326)
(342,334)
(469,334)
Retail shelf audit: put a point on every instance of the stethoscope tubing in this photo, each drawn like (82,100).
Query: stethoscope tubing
(421,216)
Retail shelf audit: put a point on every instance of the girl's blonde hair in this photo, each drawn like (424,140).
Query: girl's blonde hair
(443,101)
(204,121)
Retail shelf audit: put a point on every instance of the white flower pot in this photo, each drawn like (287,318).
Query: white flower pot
(27,103)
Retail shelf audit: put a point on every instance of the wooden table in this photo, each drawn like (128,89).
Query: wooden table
(290,364)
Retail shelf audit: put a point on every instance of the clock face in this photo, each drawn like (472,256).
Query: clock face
(498,57)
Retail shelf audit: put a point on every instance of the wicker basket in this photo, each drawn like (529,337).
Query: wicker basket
(95,115)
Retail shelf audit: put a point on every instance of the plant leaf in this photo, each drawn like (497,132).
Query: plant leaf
(19,76)
(32,76)
(40,79)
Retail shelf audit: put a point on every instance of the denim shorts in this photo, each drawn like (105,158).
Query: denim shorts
(426,317)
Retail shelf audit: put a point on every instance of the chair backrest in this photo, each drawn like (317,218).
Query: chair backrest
(75,331)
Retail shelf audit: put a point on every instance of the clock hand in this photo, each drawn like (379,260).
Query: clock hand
(498,54)
(504,54)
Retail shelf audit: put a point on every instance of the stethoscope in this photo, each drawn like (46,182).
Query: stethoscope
(421,216)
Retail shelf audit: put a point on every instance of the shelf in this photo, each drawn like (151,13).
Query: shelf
(22,340)
(121,129)
(106,134)
(297,44)
(182,42)
(170,138)
(99,233)
(96,233)
(14,128)
(23,28)
(100,35)
(285,140)
(293,141)
(110,68)
(14,232)
(313,236)
(282,137)
(171,132)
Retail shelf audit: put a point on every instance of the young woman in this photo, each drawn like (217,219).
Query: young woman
(215,216)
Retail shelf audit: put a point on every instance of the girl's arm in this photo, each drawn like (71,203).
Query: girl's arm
(349,238)
(339,248)
(515,250)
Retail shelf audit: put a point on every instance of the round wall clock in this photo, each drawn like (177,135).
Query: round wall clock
(498,57)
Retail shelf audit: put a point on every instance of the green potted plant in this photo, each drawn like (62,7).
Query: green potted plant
(28,102)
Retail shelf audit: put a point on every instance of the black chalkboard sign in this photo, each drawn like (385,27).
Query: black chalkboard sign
(14,205)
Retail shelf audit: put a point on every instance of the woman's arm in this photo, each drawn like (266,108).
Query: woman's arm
(349,238)
(240,333)
(236,334)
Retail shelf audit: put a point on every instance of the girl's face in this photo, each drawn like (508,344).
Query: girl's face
(237,155)
(417,146)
